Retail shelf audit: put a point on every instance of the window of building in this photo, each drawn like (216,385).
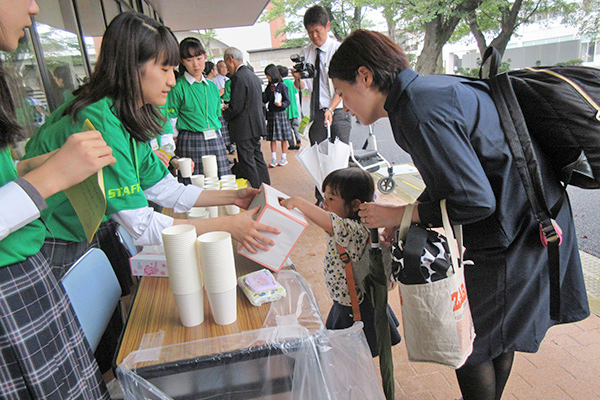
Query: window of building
(25,83)
(587,51)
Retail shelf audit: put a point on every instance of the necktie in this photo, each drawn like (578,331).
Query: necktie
(314,100)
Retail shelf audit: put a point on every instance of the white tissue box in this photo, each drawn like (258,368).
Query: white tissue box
(291,223)
(151,261)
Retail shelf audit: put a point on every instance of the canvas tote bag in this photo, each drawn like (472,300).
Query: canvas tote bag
(436,316)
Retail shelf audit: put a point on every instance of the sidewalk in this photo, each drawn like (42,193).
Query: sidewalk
(567,366)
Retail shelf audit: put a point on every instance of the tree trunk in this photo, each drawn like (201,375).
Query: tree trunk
(437,33)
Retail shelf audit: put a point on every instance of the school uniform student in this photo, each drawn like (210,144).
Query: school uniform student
(278,125)
(292,111)
(125,113)
(194,105)
(43,351)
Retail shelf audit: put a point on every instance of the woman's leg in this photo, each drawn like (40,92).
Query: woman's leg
(485,381)
(273,146)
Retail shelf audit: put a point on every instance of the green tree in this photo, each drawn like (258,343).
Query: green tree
(586,16)
(345,16)
(500,18)
(437,20)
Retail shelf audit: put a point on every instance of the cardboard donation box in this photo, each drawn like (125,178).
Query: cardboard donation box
(291,223)
(151,261)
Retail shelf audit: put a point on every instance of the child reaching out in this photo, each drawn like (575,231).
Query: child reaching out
(345,190)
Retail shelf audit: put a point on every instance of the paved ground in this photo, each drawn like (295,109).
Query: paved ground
(566,367)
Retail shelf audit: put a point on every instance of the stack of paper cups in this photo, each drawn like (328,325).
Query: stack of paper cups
(212,183)
(184,273)
(198,180)
(185,167)
(218,269)
(209,165)
(230,184)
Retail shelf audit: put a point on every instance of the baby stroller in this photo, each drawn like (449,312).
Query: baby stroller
(369,159)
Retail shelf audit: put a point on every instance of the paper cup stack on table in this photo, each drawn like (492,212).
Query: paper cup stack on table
(198,180)
(209,165)
(185,277)
(212,183)
(218,270)
(198,213)
(185,167)
(228,182)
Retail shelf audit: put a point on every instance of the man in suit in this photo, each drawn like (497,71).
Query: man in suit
(245,118)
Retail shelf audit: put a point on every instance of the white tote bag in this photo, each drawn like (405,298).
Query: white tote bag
(438,326)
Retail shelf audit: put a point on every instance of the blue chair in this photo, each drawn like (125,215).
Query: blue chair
(94,292)
(127,241)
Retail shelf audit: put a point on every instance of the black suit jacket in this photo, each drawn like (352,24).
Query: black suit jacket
(245,115)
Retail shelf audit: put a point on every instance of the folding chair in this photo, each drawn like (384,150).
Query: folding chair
(127,241)
(94,292)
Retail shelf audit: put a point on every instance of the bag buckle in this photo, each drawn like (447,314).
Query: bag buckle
(550,232)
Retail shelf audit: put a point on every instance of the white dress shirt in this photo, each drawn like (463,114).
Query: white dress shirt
(310,55)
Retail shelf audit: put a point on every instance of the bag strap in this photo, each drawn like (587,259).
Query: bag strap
(452,242)
(406,221)
(350,280)
(519,141)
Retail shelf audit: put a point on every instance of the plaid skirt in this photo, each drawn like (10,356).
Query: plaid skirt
(43,353)
(61,254)
(278,126)
(225,132)
(193,145)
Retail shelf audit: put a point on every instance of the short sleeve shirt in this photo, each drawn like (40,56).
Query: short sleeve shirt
(28,240)
(354,237)
(137,167)
(292,110)
(196,105)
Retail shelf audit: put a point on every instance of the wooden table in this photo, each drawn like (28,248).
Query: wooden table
(154,311)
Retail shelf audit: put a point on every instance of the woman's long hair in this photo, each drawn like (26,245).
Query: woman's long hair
(131,40)
(10,129)
(273,72)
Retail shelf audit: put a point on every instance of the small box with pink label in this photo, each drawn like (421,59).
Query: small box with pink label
(150,261)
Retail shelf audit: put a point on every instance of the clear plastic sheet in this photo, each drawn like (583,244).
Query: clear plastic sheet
(292,357)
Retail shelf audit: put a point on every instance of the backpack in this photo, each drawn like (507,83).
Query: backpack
(558,108)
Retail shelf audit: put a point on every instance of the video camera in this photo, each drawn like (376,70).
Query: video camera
(306,70)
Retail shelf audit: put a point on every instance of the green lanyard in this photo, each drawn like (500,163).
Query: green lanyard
(135,158)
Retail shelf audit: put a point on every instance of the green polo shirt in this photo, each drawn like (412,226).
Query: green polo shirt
(137,167)
(28,240)
(227,92)
(292,110)
(196,106)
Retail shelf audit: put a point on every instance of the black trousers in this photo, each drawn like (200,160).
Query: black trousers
(251,163)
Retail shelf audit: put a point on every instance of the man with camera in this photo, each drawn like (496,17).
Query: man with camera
(310,73)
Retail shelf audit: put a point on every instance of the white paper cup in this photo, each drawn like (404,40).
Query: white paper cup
(209,165)
(218,263)
(211,180)
(185,167)
(232,210)
(229,185)
(179,242)
(213,211)
(198,180)
(228,178)
(190,308)
(223,306)
(211,186)
(198,213)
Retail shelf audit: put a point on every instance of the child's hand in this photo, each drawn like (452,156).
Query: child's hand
(288,203)
(389,235)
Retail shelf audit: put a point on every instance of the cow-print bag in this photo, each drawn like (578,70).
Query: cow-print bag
(422,257)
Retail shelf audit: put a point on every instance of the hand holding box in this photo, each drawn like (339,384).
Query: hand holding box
(291,223)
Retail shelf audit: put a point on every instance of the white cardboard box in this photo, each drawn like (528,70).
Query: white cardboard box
(151,261)
(291,223)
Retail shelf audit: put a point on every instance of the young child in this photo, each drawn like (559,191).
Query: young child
(278,124)
(345,190)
